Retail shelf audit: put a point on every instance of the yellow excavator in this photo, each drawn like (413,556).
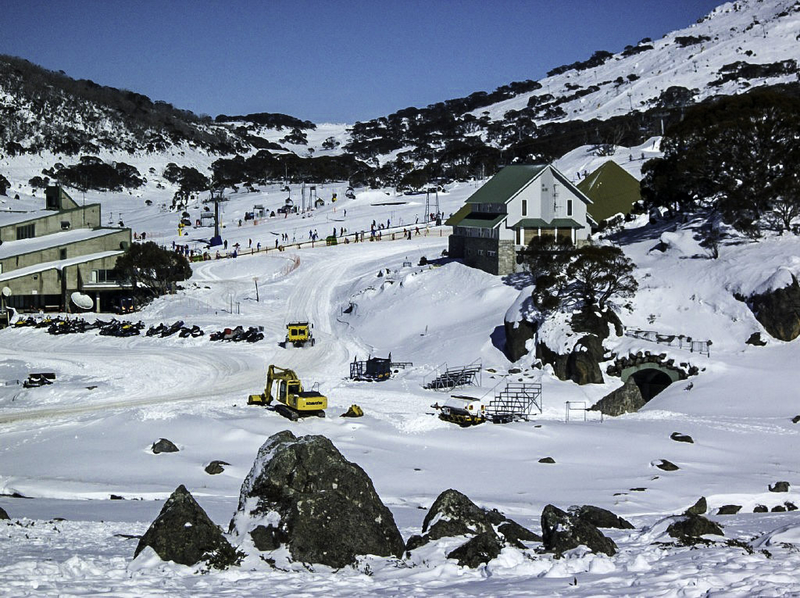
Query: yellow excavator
(293,401)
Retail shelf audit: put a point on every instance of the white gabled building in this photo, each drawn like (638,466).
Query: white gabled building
(516,205)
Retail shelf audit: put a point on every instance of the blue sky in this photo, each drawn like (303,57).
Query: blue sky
(325,61)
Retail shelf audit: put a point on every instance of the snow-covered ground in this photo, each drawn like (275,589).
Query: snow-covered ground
(69,447)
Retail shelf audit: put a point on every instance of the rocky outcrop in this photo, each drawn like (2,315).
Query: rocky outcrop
(698,508)
(518,333)
(665,465)
(581,365)
(678,437)
(626,399)
(598,323)
(563,531)
(183,533)
(778,310)
(302,493)
(454,514)
(3,514)
(164,446)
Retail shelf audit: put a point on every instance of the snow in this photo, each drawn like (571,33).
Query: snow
(68,447)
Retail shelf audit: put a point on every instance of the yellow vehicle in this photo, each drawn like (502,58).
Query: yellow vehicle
(294,402)
(298,334)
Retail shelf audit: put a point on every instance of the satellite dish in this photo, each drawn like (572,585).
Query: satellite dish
(6,292)
(81,300)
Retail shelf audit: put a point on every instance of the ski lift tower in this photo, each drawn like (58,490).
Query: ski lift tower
(428,212)
(216,198)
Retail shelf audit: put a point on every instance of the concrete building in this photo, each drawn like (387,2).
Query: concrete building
(516,205)
(47,255)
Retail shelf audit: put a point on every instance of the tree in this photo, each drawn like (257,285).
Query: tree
(547,259)
(600,273)
(152,270)
(738,155)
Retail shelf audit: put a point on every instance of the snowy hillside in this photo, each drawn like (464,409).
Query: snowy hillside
(719,55)
(70,446)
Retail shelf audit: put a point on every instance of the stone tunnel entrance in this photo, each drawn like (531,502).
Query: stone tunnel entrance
(651,378)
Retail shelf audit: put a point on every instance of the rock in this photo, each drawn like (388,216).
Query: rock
(790,506)
(779,509)
(778,311)
(547,460)
(756,340)
(215,467)
(729,509)
(3,514)
(454,514)
(599,517)
(353,411)
(517,335)
(678,437)
(562,532)
(164,446)
(626,399)
(513,533)
(779,487)
(665,465)
(596,322)
(690,530)
(796,419)
(583,364)
(183,533)
(760,509)
(557,360)
(307,496)
(478,550)
(698,508)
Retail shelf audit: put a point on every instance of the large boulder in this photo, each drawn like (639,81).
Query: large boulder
(626,399)
(563,531)
(583,364)
(163,445)
(777,308)
(183,533)
(302,493)
(3,514)
(454,514)
(518,333)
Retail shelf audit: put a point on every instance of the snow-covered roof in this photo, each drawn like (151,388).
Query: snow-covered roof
(12,248)
(57,264)
(11,218)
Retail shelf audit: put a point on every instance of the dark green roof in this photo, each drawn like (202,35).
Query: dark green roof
(482,222)
(506,183)
(462,213)
(539,223)
(612,191)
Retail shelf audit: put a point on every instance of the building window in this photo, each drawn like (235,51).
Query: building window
(524,207)
(480,252)
(65,225)
(26,231)
(104,276)
(519,236)
(62,253)
(569,207)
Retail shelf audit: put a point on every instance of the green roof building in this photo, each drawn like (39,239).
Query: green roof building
(612,189)
(516,205)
